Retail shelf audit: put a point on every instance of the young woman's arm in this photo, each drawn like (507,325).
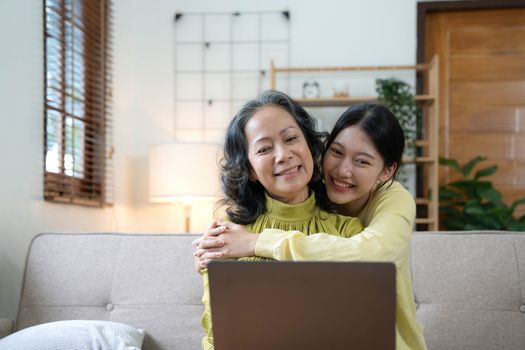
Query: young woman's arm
(389,220)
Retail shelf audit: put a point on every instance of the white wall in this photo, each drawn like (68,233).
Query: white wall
(23,213)
(329,32)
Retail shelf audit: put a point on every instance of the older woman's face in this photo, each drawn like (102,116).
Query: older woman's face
(279,155)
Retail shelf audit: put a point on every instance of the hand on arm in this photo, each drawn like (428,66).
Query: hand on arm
(225,240)
(386,237)
(209,241)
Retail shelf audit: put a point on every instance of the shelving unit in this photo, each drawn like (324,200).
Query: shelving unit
(427,146)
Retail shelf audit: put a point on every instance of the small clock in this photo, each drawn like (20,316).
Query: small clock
(311,89)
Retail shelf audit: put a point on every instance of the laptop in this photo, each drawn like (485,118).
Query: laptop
(272,305)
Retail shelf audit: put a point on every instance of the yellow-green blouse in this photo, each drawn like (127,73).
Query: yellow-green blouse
(305,217)
(389,218)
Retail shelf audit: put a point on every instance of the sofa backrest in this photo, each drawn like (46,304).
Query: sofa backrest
(146,281)
(469,287)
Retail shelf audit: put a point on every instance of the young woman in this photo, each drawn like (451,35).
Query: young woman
(362,156)
(271,176)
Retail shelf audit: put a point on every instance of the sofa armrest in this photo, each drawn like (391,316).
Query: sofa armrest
(6,327)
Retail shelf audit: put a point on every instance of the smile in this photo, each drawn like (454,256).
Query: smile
(290,171)
(342,185)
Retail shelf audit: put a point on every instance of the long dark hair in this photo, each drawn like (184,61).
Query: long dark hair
(244,199)
(381,126)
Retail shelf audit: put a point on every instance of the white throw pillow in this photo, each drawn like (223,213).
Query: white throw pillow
(75,335)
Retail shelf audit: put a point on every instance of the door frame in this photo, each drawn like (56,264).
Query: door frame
(423,9)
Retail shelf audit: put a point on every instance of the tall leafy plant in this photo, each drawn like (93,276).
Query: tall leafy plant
(398,97)
(471,203)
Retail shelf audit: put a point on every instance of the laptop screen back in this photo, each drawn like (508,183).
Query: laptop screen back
(302,305)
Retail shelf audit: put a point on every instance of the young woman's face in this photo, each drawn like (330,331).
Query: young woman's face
(352,166)
(279,155)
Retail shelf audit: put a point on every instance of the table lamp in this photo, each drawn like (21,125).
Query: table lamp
(184,172)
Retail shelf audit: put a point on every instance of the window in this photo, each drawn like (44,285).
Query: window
(77,58)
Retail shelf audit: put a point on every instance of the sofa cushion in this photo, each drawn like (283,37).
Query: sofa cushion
(75,335)
(469,289)
(144,280)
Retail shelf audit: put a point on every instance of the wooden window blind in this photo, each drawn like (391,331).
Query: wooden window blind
(78,145)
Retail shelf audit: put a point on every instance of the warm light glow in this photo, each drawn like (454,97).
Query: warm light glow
(183,172)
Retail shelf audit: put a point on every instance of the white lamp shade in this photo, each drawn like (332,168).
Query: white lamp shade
(183,172)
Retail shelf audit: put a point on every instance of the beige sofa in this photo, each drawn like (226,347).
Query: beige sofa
(469,287)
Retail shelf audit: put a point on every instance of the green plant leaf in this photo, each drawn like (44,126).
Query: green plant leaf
(447,194)
(459,184)
(517,226)
(473,207)
(486,171)
(467,168)
(489,222)
(397,95)
(502,213)
(515,204)
(472,227)
(470,188)
(482,184)
(452,213)
(501,209)
(465,187)
(452,163)
(454,224)
(490,194)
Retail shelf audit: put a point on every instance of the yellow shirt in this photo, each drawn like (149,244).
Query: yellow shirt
(305,217)
(389,218)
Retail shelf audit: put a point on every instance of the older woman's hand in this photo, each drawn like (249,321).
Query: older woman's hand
(225,240)
(209,240)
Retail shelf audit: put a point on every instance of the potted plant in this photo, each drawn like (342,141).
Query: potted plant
(398,97)
(471,203)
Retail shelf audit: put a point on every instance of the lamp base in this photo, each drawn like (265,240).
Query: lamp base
(187,217)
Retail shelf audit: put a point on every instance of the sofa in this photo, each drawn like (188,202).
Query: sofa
(469,287)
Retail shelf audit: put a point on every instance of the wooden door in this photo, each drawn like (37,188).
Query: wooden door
(482,90)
